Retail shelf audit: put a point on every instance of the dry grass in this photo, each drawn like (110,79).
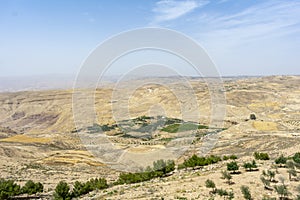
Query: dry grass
(27,139)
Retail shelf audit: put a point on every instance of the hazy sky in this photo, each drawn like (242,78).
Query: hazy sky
(243,37)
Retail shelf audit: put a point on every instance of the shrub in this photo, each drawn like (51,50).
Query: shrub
(266,182)
(225,157)
(232,166)
(292,172)
(227,176)
(233,157)
(210,184)
(222,192)
(269,174)
(252,117)
(281,160)
(250,166)
(282,191)
(62,191)
(31,187)
(296,158)
(261,156)
(246,192)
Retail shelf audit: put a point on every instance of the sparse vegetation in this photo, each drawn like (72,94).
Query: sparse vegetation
(246,192)
(227,176)
(291,169)
(161,168)
(269,174)
(174,128)
(282,191)
(210,184)
(225,194)
(266,183)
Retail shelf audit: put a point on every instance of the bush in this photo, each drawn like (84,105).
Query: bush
(227,176)
(31,187)
(8,188)
(252,117)
(266,182)
(296,158)
(269,174)
(210,184)
(281,160)
(261,156)
(250,166)
(222,192)
(246,192)
(282,191)
(62,191)
(232,166)
(231,157)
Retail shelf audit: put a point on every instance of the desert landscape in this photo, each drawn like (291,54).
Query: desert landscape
(39,140)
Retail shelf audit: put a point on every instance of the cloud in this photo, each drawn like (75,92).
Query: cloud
(273,18)
(262,38)
(166,10)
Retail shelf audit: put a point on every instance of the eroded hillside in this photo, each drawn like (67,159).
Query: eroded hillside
(39,141)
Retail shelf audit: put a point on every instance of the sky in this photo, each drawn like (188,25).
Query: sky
(242,37)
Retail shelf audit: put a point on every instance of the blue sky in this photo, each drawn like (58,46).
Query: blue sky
(242,37)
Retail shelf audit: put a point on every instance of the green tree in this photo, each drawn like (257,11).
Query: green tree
(210,184)
(232,166)
(246,192)
(281,160)
(250,166)
(31,187)
(62,191)
(8,188)
(79,189)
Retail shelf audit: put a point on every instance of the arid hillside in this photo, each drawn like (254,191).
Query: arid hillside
(39,139)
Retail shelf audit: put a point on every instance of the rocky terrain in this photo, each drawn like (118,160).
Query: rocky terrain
(40,141)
